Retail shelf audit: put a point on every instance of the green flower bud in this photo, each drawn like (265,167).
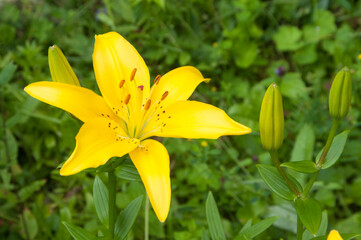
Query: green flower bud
(340,94)
(271,120)
(60,68)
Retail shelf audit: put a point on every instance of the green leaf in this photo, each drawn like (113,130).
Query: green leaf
(293,87)
(214,220)
(321,231)
(127,171)
(27,191)
(126,219)
(335,151)
(275,182)
(259,227)
(303,147)
(78,233)
(301,166)
(101,199)
(310,213)
(288,38)
(7,73)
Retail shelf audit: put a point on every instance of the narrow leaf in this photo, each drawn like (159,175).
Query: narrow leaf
(335,151)
(127,171)
(310,213)
(127,218)
(7,73)
(214,220)
(78,233)
(301,166)
(275,182)
(101,199)
(261,226)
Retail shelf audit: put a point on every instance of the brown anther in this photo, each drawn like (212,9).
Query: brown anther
(141,87)
(156,80)
(121,83)
(133,74)
(165,94)
(127,98)
(147,104)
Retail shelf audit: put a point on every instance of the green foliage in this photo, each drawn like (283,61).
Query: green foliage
(101,199)
(310,213)
(127,218)
(214,219)
(78,233)
(335,151)
(275,182)
(301,166)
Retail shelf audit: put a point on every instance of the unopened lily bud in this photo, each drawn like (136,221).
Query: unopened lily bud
(60,68)
(340,94)
(271,120)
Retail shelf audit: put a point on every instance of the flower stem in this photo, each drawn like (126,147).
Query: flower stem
(299,228)
(276,162)
(112,183)
(146,218)
(331,136)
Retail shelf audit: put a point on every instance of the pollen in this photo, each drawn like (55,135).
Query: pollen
(121,83)
(147,104)
(133,74)
(156,80)
(127,98)
(165,94)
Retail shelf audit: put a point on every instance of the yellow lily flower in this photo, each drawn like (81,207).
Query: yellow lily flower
(131,111)
(334,235)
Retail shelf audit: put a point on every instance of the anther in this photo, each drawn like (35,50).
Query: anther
(147,104)
(141,87)
(127,98)
(156,80)
(133,74)
(121,83)
(165,94)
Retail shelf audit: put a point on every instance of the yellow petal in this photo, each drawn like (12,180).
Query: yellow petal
(179,85)
(97,141)
(334,235)
(114,60)
(60,68)
(152,163)
(81,102)
(192,119)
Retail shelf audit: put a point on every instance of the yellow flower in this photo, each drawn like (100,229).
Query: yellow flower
(204,144)
(334,235)
(131,111)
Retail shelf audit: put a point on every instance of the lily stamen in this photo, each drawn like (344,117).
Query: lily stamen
(133,74)
(157,78)
(165,94)
(147,104)
(121,83)
(127,98)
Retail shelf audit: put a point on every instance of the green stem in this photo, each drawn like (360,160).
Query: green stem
(310,183)
(112,184)
(146,218)
(331,136)
(276,162)
(299,228)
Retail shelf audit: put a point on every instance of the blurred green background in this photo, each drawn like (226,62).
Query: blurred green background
(243,46)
